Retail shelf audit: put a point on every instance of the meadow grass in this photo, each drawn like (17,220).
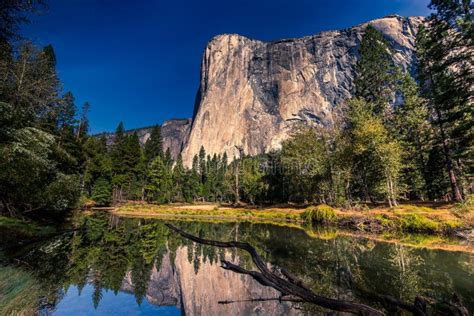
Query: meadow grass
(19,292)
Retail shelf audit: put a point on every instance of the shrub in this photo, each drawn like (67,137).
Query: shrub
(319,214)
(63,193)
(418,223)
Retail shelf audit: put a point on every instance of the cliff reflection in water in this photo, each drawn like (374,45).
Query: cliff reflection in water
(143,258)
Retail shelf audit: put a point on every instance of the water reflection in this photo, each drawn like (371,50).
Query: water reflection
(112,258)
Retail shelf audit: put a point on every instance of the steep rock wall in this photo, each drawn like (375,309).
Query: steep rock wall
(252,92)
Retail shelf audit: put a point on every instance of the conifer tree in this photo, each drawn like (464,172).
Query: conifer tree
(375,70)
(444,48)
(160,181)
(154,145)
(179,181)
(101,192)
(412,129)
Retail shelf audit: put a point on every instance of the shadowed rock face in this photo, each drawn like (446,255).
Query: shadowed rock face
(251,92)
(198,293)
(174,134)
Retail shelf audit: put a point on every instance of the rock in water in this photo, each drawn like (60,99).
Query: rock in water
(251,92)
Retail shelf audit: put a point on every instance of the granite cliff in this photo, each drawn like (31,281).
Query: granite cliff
(198,292)
(174,134)
(252,92)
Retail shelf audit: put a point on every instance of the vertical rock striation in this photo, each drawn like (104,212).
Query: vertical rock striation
(251,92)
(199,292)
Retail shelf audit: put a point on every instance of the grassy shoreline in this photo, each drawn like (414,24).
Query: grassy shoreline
(16,229)
(404,218)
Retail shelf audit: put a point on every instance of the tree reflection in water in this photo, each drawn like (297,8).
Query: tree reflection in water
(118,254)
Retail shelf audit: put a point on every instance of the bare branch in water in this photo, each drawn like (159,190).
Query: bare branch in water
(293,289)
(288,298)
(287,286)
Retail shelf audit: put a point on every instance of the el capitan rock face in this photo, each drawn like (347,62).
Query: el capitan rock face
(252,92)
(199,292)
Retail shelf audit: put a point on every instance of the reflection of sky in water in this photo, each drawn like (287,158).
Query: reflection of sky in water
(110,304)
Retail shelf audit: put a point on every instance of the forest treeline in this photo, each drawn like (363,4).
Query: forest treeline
(406,134)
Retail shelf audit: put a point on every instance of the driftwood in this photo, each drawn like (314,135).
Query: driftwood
(294,290)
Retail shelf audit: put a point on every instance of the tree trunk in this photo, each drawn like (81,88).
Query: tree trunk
(456,193)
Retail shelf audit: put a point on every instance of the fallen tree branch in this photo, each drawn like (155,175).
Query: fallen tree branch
(287,298)
(285,286)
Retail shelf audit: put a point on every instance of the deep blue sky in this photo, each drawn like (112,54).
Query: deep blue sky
(138,61)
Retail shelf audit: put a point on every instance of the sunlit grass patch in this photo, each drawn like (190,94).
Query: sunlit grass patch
(417,223)
(19,292)
(412,208)
(319,214)
(206,210)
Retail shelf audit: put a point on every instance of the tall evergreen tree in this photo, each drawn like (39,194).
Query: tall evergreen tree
(445,50)
(374,80)
(154,145)
(412,129)
(160,183)
(179,181)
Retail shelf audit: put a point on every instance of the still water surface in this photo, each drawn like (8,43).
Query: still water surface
(125,266)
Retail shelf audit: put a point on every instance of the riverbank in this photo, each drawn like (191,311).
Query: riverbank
(17,230)
(441,220)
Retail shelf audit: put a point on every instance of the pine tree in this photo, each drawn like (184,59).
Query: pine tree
(167,158)
(97,162)
(101,192)
(202,164)
(444,48)
(179,181)
(160,181)
(195,179)
(375,70)
(412,129)
(117,149)
(83,126)
(119,168)
(67,112)
(154,145)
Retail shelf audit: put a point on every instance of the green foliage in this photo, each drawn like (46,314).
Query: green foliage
(252,180)
(20,292)
(319,214)
(14,229)
(305,161)
(160,181)
(444,50)
(102,192)
(375,70)
(63,193)
(417,223)
(154,145)
(40,152)
(377,156)
(466,206)
(411,128)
